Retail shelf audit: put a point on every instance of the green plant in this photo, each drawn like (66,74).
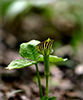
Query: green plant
(12,93)
(36,52)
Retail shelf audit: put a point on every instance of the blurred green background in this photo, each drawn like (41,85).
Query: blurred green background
(39,19)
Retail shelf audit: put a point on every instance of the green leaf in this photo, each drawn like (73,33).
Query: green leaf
(44,98)
(52,59)
(12,93)
(48,98)
(21,63)
(52,98)
(45,47)
(28,50)
(15,91)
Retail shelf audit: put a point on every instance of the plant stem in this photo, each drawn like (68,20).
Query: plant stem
(39,82)
(47,72)
(47,86)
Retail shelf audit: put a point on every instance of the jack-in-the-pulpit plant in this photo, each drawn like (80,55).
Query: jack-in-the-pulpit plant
(36,51)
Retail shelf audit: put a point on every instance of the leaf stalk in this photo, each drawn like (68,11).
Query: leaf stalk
(39,82)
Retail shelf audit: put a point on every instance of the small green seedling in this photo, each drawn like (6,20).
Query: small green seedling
(12,93)
(36,51)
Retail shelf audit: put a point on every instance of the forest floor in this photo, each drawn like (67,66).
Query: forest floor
(65,81)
